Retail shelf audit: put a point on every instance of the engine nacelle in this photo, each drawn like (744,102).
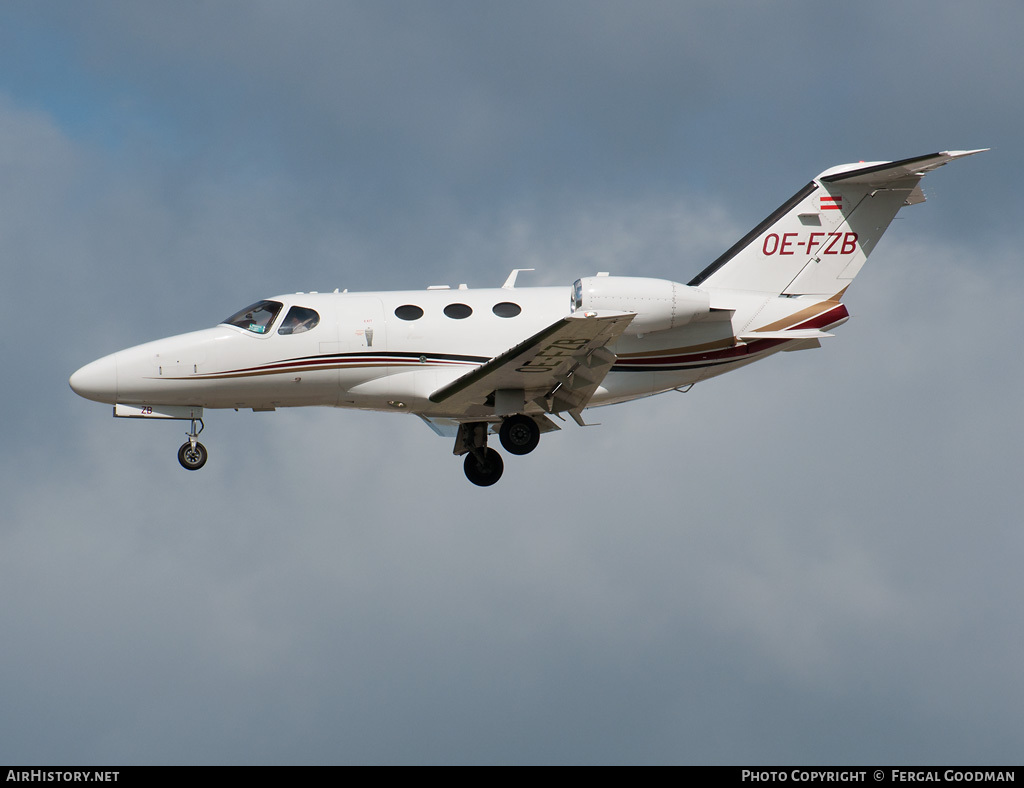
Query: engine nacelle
(658,303)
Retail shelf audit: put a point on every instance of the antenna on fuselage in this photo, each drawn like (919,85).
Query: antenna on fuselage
(511,281)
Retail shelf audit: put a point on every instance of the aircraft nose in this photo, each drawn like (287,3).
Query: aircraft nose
(97,381)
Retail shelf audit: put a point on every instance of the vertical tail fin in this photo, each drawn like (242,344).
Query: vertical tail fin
(817,241)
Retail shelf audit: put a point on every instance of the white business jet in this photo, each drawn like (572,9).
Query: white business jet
(512,359)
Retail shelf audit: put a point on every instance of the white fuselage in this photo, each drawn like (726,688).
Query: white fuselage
(361,354)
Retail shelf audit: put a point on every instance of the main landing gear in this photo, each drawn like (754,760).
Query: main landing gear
(192,455)
(519,435)
(483,466)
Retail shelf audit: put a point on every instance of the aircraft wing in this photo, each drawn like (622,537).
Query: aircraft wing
(558,368)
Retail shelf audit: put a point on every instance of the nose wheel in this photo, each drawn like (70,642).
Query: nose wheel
(193,455)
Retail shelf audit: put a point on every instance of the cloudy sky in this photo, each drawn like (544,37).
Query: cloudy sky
(813,560)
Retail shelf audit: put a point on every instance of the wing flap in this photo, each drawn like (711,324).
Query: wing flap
(579,383)
(559,367)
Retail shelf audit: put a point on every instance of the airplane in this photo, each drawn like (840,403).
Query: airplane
(511,360)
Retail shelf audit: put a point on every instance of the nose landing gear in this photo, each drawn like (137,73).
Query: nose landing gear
(193,455)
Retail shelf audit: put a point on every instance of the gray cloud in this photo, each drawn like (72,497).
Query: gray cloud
(806,561)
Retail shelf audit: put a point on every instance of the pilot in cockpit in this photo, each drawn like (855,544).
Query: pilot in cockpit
(298,320)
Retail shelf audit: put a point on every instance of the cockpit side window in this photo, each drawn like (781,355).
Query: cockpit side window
(298,320)
(257,317)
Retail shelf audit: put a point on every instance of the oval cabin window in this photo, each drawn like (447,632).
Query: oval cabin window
(458,311)
(408,312)
(507,309)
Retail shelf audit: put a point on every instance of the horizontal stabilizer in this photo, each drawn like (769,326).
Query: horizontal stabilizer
(809,333)
(880,173)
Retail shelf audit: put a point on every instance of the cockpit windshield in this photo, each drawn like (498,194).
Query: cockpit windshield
(257,317)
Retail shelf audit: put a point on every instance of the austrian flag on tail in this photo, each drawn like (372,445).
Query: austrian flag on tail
(829,203)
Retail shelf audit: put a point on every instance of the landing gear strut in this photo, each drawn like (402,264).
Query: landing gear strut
(483,466)
(192,455)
